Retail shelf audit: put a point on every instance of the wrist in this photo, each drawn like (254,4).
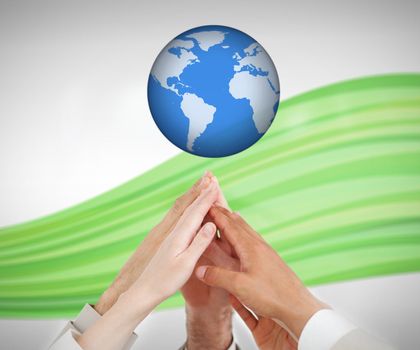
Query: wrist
(297,314)
(209,328)
(137,303)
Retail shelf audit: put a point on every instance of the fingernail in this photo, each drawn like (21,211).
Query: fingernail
(200,272)
(208,229)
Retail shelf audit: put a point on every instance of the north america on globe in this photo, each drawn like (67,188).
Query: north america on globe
(213,91)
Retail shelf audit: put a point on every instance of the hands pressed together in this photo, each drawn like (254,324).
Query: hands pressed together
(238,269)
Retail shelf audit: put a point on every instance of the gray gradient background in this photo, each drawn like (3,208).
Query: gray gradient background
(74,120)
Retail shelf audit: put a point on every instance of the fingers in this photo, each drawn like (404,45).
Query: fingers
(229,228)
(201,241)
(184,201)
(241,221)
(245,314)
(221,200)
(219,277)
(193,216)
(225,246)
(220,258)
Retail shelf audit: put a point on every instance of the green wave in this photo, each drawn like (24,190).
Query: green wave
(334,187)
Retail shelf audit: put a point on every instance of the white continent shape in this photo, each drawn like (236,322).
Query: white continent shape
(207,39)
(256,56)
(260,95)
(199,113)
(261,91)
(168,65)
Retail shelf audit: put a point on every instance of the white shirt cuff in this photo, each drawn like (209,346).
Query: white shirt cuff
(87,317)
(323,330)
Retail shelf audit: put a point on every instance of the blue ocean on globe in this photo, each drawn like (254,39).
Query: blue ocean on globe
(213,91)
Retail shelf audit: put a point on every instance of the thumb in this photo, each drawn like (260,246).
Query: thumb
(218,277)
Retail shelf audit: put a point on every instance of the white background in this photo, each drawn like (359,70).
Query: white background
(74,120)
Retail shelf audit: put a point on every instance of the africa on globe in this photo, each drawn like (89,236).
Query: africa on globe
(213,91)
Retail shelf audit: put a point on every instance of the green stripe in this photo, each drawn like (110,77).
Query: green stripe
(334,187)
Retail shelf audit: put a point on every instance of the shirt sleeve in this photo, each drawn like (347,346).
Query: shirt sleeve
(88,316)
(327,330)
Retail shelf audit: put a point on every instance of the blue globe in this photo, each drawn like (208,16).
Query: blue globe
(213,91)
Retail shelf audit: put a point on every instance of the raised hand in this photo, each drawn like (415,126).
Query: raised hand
(134,266)
(209,313)
(267,334)
(265,283)
(174,262)
(166,272)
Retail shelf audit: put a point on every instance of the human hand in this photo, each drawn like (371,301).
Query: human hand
(174,261)
(166,272)
(265,283)
(267,334)
(208,315)
(208,311)
(136,264)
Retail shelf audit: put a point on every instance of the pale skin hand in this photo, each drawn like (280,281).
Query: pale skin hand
(209,322)
(209,313)
(166,272)
(264,283)
(176,258)
(134,266)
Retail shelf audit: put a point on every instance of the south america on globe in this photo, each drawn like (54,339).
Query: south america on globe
(213,91)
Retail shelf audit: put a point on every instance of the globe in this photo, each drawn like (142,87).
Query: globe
(213,91)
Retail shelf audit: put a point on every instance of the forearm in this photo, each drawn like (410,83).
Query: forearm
(209,328)
(114,328)
(128,274)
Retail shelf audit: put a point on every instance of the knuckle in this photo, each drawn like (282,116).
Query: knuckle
(235,216)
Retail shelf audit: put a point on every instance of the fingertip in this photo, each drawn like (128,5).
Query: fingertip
(200,272)
(205,180)
(215,179)
(209,229)
(208,186)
